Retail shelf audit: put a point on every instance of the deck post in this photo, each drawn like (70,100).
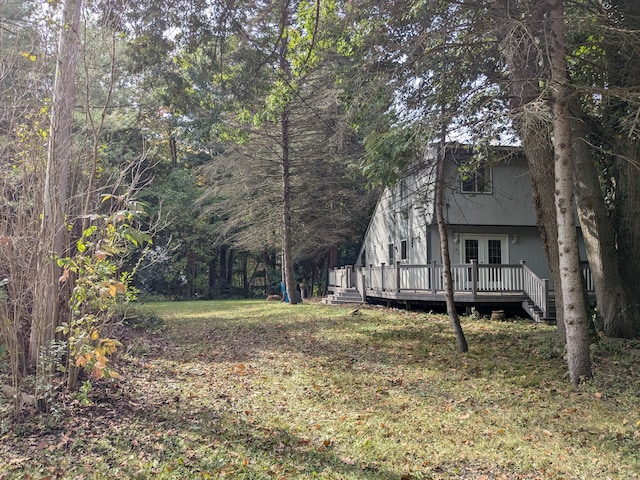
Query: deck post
(433,277)
(382,276)
(363,293)
(474,277)
(398,276)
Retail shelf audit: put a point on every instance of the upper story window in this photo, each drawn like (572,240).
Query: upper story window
(477,181)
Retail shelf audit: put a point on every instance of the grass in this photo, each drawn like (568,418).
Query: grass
(262,390)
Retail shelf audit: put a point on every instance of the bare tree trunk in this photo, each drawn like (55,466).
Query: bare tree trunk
(222,278)
(628,228)
(287,244)
(623,72)
(575,315)
(53,234)
(287,229)
(245,276)
(461,341)
(597,231)
(230,261)
(213,275)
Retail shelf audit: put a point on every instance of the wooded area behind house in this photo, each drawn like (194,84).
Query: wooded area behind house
(183,149)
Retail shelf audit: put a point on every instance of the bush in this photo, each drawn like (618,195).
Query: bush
(137,316)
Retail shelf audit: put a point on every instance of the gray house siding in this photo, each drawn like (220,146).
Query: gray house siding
(499,224)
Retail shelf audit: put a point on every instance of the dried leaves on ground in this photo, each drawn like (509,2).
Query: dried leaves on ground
(256,390)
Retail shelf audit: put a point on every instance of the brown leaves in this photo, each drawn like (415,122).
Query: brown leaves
(240,369)
(246,397)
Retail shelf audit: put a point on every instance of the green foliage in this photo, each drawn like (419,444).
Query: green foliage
(388,154)
(187,239)
(83,394)
(97,288)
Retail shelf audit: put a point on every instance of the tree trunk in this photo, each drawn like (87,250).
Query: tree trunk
(333,256)
(245,276)
(222,277)
(444,247)
(597,231)
(628,229)
(623,73)
(526,64)
(575,315)
(212,275)
(47,301)
(229,278)
(287,229)
(269,272)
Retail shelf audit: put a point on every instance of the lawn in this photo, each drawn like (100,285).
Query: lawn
(265,390)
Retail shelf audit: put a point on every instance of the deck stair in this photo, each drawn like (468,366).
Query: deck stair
(342,296)
(537,314)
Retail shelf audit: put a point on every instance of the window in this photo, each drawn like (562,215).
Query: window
(403,250)
(471,250)
(477,181)
(392,257)
(494,251)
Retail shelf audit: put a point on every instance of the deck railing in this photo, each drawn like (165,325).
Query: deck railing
(469,277)
(537,289)
(342,277)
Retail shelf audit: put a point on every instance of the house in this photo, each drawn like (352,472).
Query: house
(495,248)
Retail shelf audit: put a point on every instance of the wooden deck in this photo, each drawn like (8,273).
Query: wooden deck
(492,286)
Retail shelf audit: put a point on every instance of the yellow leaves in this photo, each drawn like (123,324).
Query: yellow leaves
(29,56)
(113,288)
(94,358)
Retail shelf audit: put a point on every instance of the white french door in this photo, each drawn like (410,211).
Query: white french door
(486,250)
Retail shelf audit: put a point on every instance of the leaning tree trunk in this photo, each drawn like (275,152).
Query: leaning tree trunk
(571,282)
(461,341)
(47,301)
